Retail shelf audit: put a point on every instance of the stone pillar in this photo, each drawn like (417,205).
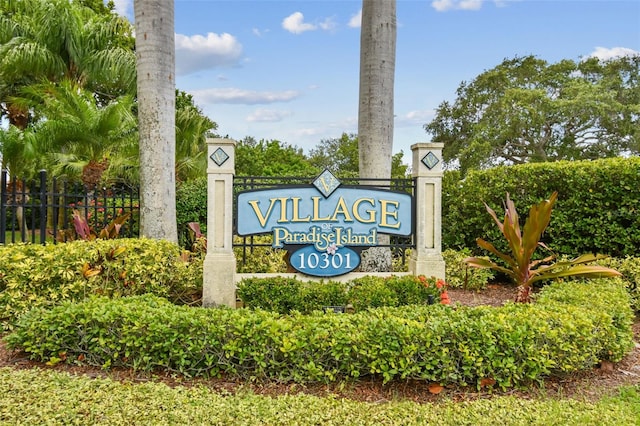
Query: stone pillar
(426,259)
(220,262)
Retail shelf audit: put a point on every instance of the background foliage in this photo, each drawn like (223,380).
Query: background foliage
(596,212)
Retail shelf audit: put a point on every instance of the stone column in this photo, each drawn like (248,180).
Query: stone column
(426,259)
(220,262)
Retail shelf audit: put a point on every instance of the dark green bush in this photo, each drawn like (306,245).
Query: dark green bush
(572,326)
(276,294)
(596,209)
(45,275)
(371,292)
(283,295)
(191,206)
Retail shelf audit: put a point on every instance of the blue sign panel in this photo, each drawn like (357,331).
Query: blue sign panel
(356,210)
(326,219)
(334,261)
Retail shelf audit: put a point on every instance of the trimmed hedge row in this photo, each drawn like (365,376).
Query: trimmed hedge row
(573,326)
(596,211)
(34,275)
(284,295)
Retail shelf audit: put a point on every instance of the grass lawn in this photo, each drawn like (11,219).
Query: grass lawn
(35,396)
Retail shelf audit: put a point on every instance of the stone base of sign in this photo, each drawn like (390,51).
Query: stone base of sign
(429,266)
(219,287)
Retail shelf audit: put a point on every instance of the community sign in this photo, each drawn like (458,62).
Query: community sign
(324,225)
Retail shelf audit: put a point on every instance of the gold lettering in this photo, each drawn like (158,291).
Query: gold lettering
(256,208)
(341,208)
(327,185)
(371,213)
(384,212)
(296,211)
(316,210)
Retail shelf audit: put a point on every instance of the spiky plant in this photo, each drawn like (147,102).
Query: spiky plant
(520,264)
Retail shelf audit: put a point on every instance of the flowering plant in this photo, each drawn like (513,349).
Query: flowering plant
(434,289)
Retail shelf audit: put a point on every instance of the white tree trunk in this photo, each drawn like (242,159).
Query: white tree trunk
(375,111)
(377,73)
(155,53)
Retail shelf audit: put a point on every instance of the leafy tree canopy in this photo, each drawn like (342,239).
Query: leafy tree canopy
(340,156)
(271,158)
(527,110)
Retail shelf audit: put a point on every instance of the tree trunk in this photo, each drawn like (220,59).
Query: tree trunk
(155,54)
(375,111)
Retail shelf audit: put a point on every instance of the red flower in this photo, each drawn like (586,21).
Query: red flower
(444,298)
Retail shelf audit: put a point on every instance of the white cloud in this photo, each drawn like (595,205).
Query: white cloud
(295,24)
(605,54)
(124,7)
(196,52)
(328,24)
(444,5)
(413,118)
(356,20)
(265,115)
(243,97)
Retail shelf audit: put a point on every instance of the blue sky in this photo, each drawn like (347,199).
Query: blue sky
(288,70)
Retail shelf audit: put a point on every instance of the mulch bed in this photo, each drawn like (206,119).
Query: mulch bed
(588,385)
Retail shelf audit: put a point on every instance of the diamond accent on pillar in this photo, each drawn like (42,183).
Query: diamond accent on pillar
(219,156)
(430,160)
(326,183)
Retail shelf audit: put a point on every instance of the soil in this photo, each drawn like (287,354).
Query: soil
(591,385)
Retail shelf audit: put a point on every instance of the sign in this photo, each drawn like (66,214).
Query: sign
(326,219)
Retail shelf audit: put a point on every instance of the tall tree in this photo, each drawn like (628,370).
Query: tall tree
(271,158)
(340,155)
(54,40)
(80,136)
(192,129)
(527,110)
(375,112)
(155,53)
(377,76)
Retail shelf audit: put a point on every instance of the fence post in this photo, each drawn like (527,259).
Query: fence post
(426,259)
(43,206)
(220,262)
(3,205)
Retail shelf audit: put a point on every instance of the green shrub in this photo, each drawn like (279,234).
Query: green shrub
(258,257)
(371,292)
(317,296)
(596,211)
(283,295)
(45,275)
(460,275)
(276,294)
(629,267)
(191,206)
(512,345)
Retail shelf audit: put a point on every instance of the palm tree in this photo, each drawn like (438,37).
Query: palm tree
(192,128)
(375,111)
(54,40)
(155,53)
(80,136)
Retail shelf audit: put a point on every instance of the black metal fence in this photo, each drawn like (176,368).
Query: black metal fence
(41,210)
(398,244)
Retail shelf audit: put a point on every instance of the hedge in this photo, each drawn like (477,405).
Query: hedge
(596,211)
(574,327)
(33,275)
